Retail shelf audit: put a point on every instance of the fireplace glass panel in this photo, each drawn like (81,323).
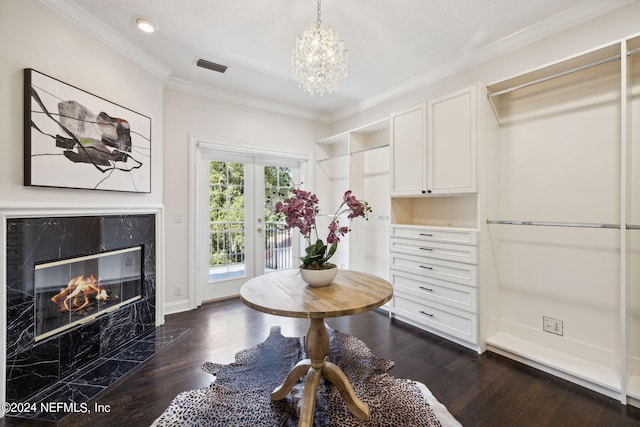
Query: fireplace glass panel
(74,291)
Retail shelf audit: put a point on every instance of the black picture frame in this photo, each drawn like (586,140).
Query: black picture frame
(74,139)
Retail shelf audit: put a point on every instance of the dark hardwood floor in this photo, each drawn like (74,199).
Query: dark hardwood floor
(479,390)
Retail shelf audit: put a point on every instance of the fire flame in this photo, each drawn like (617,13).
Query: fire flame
(77,295)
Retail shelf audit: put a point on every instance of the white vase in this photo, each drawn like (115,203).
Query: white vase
(319,278)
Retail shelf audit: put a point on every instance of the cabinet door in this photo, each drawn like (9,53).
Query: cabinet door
(408,151)
(452,124)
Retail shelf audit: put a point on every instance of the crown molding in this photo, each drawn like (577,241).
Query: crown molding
(83,19)
(244,100)
(554,24)
(88,22)
(576,15)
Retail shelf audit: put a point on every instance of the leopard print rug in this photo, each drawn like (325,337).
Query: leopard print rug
(240,393)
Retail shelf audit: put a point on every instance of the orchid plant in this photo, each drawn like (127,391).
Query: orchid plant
(300,211)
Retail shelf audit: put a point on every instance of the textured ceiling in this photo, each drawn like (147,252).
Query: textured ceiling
(390,43)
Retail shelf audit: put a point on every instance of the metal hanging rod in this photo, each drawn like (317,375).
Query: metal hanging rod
(553,76)
(332,157)
(563,73)
(633,52)
(369,149)
(344,216)
(555,224)
(352,152)
(633,227)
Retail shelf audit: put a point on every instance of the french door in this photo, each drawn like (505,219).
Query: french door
(239,234)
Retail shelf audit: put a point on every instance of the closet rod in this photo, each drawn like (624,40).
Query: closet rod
(369,149)
(633,52)
(633,227)
(555,224)
(553,76)
(344,216)
(331,158)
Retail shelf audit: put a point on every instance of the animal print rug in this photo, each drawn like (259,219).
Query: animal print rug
(240,393)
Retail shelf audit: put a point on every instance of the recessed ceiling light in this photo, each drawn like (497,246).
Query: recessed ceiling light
(146,25)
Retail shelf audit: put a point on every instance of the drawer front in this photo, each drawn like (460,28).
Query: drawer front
(437,291)
(436,234)
(457,272)
(446,251)
(453,322)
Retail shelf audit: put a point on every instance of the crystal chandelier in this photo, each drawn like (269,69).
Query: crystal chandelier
(319,59)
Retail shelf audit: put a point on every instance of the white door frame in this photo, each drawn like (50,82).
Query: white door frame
(198,229)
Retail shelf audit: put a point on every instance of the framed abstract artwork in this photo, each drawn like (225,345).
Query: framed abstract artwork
(74,139)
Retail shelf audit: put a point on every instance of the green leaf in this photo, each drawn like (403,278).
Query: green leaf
(332,250)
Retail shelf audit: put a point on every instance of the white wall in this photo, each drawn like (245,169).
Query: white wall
(31,35)
(34,36)
(572,274)
(190,115)
(602,30)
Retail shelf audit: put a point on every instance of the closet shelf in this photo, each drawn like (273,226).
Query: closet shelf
(555,224)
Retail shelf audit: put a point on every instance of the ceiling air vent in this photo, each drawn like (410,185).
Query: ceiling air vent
(211,65)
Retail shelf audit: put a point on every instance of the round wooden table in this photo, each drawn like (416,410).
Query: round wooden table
(284,293)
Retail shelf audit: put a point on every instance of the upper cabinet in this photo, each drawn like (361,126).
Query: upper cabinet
(409,151)
(433,146)
(451,143)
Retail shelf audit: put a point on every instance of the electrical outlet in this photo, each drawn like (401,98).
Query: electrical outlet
(178,291)
(552,325)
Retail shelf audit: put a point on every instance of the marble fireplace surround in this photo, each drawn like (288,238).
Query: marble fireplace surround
(30,236)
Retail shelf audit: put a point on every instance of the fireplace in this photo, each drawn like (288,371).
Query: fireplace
(78,289)
(73,291)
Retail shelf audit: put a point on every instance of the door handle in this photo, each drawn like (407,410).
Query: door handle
(259,230)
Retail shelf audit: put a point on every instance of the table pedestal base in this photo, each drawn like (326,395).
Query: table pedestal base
(316,367)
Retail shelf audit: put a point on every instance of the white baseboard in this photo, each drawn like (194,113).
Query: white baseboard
(602,379)
(177,306)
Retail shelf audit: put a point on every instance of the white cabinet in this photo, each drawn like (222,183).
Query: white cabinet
(451,143)
(409,151)
(434,274)
(435,248)
(433,146)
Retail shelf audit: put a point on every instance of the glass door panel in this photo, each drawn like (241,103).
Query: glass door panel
(278,252)
(245,237)
(226,221)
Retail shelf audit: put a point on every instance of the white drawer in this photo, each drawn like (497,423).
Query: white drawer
(457,272)
(434,234)
(457,323)
(438,291)
(446,251)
